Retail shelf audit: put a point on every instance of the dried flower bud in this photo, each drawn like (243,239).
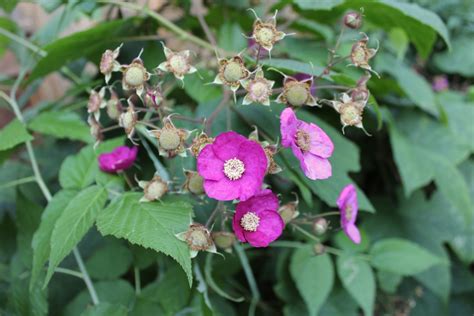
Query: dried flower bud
(96,102)
(128,120)
(224,240)
(320,226)
(297,93)
(265,33)
(351,111)
(289,211)
(360,54)
(360,94)
(198,239)
(177,63)
(153,97)
(272,167)
(153,189)
(114,107)
(134,76)
(95,129)
(353,20)
(231,72)
(171,139)
(193,183)
(319,249)
(108,63)
(199,142)
(258,89)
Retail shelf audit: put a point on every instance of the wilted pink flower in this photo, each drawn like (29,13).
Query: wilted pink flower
(257,220)
(232,166)
(309,143)
(119,159)
(347,203)
(440,83)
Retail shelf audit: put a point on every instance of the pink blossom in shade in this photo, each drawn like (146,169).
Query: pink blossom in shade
(119,159)
(440,83)
(305,77)
(232,166)
(347,203)
(309,143)
(257,220)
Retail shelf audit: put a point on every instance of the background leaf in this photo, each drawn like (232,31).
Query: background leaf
(61,125)
(13,134)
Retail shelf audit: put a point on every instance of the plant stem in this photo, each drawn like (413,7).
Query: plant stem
(250,278)
(220,106)
(304,232)
(18,182)
(69,272)
(199,12)
(136,273)
(47,193)
(218,207)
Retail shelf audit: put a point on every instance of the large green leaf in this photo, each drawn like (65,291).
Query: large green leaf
(42,237)
(318,5)
(86,44)
(99,267)
(151,225)
(73,223)
(358,279)
(401,257)
(13,134)
(61,125)
(460,59)
(313,276)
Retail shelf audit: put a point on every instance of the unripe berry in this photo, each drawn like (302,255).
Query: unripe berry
(297,94)
(224,240)
(169,139)
(233,71)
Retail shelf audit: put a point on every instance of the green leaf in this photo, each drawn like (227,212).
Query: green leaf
(99,267)
(42,237)
(151,225)
(343,242)
(401,257)
(13,134)
(358,279)
(90,44)
(197,87)
(318,5)
(230,37)
(388,281)
(74,222)
(459,60)
(293,66)
(413,85)
(79,171)
(105,309)
(61,125)
(313,276)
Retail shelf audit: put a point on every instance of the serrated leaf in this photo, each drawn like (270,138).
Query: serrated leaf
(401,257)
(74,222)
(42,236)
(358,279)
(61,125)
(13,134)
(313,276)
(151,225)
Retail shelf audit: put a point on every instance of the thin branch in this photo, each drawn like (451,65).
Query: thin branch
(198,10)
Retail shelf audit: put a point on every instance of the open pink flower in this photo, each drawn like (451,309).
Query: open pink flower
(347,203)
(257,220)
(232,166)
(119,159)
(309,143)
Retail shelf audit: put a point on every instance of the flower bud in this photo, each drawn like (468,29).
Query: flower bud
(353,20)
(95,129)
(289,211)
(128,119)
(266,33)
(153,98)
(319,249)
(114,107)
(108,63)
(153,189)
(134,76)
(320,226)
(198,238)
(170,139)
(224,240)
(360,94)
(199,142)
(178,63)
(361,54)
(96,102)
(194,183)
(297,93)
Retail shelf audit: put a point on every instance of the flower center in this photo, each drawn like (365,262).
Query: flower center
(264,35)
(303,140)
(234,168)
(169,139)
(258,89)
(297,94)
(233,72)
(179,64)
(250,222)
(135,76)
(359,54)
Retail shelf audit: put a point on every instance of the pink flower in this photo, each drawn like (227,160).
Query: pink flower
(309,143)
(440,83)
(347,203)
(257,220)
(232,166)
(119,159)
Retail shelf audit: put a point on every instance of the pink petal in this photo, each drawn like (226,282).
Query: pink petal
(353,233)
(209,166)
(270,228)
(254,158)
(321,144)
(288,127)
(227,145)
(264,200)
(249,185)
(348,197)
(238,230)
(315,167)
(223,189)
